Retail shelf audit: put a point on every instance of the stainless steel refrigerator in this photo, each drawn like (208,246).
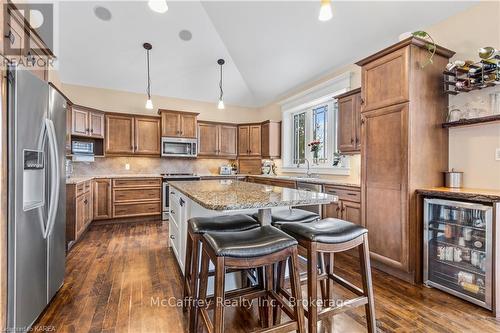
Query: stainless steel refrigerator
(37,196)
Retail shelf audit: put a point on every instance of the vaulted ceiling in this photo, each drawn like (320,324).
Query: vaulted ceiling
(270,48)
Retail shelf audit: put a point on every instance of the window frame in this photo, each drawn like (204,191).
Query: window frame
(331,132)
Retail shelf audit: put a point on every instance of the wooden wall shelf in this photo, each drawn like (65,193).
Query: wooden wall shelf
(474,121)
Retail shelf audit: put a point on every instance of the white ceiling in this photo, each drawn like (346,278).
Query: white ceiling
(270,48)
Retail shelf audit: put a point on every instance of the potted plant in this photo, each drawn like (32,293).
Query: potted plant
(430,45)
(315,146)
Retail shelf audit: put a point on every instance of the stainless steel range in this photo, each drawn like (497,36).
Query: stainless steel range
(166,188)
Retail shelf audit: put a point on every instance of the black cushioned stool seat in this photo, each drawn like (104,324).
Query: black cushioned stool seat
(287,215)
(249,244)
(329,230)
(225,223)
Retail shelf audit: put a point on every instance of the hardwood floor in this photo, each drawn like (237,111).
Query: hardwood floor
(116,273)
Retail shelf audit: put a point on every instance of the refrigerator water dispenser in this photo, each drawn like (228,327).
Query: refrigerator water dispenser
(33,179)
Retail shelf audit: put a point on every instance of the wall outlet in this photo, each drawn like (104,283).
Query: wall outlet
(127,166)
(497,154)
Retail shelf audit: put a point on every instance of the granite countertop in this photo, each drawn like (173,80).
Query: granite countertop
(312,180)
(79,179)
(234,195)
(463,193)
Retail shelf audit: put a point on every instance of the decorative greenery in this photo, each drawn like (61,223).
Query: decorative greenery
(430,45)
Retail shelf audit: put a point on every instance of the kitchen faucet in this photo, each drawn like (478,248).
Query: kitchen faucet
(308,172)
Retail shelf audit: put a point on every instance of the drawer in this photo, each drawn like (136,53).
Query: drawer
(137,209)
(344,194)
(87,186)
(146,194)
(80,189)
(282,183)
(137,182)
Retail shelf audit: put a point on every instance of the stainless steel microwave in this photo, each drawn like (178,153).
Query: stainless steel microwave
(179,147)
(82,147)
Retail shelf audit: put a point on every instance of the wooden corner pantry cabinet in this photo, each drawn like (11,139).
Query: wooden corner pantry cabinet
(132,135)
(403,148)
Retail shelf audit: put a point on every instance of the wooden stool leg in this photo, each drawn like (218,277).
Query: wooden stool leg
(329,282)
(269,288)
(322,270)
(220,275)
(193,286)
(366,276)
(280,283)
(202,300)
(296,290)
(260,283)
(187,273)
(312,287)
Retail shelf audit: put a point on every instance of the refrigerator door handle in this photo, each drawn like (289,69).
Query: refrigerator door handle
(54,170)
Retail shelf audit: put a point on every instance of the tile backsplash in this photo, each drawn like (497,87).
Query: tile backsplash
(147,165)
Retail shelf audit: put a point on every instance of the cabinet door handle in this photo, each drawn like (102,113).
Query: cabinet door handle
(362,121)
(362,101)
(11,37)
(172,192)
(352,140)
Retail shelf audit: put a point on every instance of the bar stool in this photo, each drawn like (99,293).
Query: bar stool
(261,247)
(331,236)
(291,215)
(196,228)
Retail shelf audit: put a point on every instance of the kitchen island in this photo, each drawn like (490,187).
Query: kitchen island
(218,197)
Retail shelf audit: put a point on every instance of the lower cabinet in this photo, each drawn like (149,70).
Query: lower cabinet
(134,197)
(102,199)
(79,212)
(348,207)
(272,182)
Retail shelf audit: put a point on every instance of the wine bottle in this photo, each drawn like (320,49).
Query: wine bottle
(483,66)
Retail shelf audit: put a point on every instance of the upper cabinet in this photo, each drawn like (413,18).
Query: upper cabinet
(87,122)
(21,42)
(349,118)
(385,80)
(132,135)
(217,140)
(271,139)
(178,123)
(147,135)
(249,140)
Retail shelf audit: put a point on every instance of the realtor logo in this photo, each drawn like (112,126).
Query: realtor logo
(23,25)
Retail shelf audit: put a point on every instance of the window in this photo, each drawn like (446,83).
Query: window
(312,116)
(299,138)
(316,123)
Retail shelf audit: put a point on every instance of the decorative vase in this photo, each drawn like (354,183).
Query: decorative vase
(315,157)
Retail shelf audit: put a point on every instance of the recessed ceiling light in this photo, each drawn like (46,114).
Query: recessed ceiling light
(185,35)
(102,13)
(159,6)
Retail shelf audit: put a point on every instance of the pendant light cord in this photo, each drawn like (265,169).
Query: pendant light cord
(220,84)
(149,78)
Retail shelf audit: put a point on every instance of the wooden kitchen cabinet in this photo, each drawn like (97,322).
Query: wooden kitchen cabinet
(102,199)
(348,206)
(119,134)
(349,122)
(79,212)
(404,147)
(87,122)
(147,135)
(249,140)
(217,140)
(132,135)
(271,139)
(178,124)
(134,197)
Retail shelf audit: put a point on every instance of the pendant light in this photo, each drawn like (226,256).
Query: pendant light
(149,103)
(325,11)
(159,6)
(220,105)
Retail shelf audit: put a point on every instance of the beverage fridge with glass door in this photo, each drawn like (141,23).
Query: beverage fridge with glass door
(458,249)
